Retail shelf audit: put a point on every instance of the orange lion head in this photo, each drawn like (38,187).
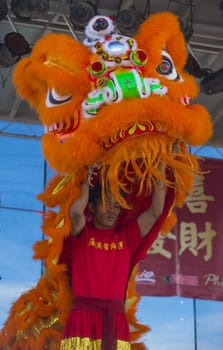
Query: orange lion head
(116,102)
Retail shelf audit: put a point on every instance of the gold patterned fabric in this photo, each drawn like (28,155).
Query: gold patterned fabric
(77,343)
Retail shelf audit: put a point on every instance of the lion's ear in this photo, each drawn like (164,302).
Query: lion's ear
(62,66)
(23,82)
(162,32)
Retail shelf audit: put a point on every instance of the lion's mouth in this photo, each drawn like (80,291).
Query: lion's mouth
(134,129)
(64,129)
(139,128)
(185,100)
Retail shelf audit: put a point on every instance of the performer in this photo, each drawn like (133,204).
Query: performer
(100,256)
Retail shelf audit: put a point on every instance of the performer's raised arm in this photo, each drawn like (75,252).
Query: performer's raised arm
(77,209)
(147,218)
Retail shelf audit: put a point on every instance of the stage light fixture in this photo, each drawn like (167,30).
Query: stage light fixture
(81,12)
(14,46)
(187,28)
(128,21)
(3,9)
(212,83)
(192,65)
(28,9)
(221,6)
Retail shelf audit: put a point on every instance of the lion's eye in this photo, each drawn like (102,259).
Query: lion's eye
(54,99)
(166,67)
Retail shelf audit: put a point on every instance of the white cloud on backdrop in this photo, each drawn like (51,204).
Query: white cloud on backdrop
(9,292)
(172,323)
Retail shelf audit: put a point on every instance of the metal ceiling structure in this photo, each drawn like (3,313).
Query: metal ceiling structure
(206,45)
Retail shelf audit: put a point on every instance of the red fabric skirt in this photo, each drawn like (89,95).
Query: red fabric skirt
(98,319)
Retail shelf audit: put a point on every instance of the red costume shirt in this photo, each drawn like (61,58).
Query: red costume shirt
(99,260)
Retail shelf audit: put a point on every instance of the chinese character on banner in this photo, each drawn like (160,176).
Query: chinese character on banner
(188,261)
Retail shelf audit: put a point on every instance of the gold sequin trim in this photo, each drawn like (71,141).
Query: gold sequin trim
(62,183)
(123,345)
(36,329)
(61,224)
(78,343)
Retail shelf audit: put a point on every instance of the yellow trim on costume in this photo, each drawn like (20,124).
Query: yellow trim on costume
(59,66)
(62,183)
(78,343)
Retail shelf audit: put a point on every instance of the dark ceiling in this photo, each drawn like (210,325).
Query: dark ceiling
(205,44)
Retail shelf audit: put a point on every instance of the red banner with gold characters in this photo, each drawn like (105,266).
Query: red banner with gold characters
(188,262)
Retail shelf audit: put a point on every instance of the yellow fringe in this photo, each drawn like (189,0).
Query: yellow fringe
(78,343)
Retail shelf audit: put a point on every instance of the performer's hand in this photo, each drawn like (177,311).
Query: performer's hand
(176,147)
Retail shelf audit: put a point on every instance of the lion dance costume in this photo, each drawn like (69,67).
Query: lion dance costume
(116,104)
